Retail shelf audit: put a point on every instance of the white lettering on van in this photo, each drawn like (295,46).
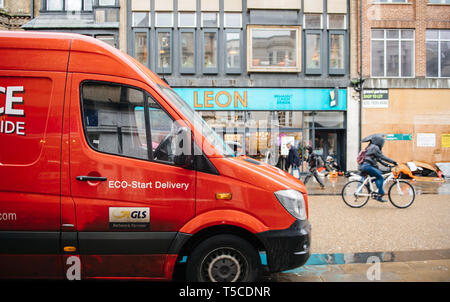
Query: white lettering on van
(8,217)
(10,108)
(123,184)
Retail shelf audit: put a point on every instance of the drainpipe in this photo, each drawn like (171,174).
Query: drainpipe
(32,10)
(360,75)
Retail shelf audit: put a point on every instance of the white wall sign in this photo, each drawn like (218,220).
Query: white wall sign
(376,98)
(426,140)
(284,141)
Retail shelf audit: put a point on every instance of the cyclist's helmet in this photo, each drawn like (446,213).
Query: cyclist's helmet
(378,140)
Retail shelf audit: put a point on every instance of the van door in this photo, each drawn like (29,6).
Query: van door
(31,105)
(129,196)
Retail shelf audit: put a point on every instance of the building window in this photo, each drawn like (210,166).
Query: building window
(210,51)
(336,52)
(187,51)
(163,19)
(73,5)
(140,19)
(108,39)
(210,19)
(233,20)
(274,48)
(1,3)
(439,1)
(140,47)
(312,21)
(438,53)
(106,15)
(55,5)
(392,53)
(336,21)
(187,20)
(390,1)
(107,2)
(313,56)
(88,5)
(164,51)
(233,51)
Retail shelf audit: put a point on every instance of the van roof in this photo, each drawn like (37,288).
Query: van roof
(50,51)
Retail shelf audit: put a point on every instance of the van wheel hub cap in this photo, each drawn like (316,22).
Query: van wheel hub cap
(223,265)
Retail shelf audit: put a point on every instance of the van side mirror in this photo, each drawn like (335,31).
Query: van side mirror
(183,148)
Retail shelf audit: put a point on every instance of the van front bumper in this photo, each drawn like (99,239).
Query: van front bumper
(289,248)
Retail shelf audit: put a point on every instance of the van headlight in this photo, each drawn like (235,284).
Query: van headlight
(293,202)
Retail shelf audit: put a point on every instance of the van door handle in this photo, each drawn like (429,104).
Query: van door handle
(91,178)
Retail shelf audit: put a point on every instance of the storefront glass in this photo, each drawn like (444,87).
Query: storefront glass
(263,135)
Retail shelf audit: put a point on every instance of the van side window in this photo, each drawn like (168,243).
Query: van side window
(163,131)
(114,119)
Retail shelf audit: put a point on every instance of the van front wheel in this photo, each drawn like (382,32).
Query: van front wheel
(223,258)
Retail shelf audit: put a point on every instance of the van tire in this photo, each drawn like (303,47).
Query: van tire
(223,258)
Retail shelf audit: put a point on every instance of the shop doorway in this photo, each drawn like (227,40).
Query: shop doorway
(330,142)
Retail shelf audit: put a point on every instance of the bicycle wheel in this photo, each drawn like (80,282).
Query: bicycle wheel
(401,194)
(355,194)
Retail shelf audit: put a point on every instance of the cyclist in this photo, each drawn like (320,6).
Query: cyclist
(372,156)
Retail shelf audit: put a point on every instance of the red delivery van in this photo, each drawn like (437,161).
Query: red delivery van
(106,173)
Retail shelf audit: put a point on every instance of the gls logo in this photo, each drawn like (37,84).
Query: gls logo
(129,217)
(123,214)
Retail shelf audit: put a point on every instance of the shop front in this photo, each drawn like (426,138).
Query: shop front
(259,122)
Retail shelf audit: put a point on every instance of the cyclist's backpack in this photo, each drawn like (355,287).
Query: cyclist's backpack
(361,156)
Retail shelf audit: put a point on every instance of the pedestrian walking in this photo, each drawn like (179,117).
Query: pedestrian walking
(293,159)
(312,163)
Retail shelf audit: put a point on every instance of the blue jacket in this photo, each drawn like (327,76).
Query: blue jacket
(293,157)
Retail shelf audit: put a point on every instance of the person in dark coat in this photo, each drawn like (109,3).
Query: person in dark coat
(312,163)
(372,158)
(293,159)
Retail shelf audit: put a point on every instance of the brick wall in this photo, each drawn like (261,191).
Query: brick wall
(416,14)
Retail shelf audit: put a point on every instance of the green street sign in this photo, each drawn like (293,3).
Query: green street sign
(398,137)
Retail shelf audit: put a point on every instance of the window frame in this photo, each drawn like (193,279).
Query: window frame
(225,25)
(141,30)
(337,71)
(146,117)
(210,70)
(187,70)
(187,26)
(148,130)
(207,13)
(313,71)
(278,69)
(163,26)
(312,28)
(63,7)
(389,1)
(114,37)
(233,70)
(442,2)
(438,40)
(328,21)
(399,40)
(162,70)
(149,16)
(107,5)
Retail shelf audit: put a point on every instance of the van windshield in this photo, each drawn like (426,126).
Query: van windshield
(197,121)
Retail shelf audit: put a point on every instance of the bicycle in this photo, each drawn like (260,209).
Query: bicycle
(356,193)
